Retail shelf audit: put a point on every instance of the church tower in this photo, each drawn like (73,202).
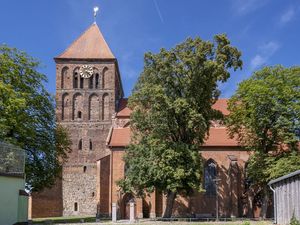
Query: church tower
(88,90)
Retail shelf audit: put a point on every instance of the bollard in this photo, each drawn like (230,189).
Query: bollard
(132,216)
(114,212)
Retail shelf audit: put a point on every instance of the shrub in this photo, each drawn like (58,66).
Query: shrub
(294,220)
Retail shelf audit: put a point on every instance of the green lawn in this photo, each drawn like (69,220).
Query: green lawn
(89,220)
(70,219)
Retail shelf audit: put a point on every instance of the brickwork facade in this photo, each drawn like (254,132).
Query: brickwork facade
(98,122)
(84,107)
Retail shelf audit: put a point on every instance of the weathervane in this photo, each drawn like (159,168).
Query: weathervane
(96,9)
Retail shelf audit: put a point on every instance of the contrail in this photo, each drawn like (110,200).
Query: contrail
(158,11)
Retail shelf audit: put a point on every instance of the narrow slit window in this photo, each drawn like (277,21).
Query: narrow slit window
(84,169)
(80,144)
(91,145)
(79,115)
(75,206)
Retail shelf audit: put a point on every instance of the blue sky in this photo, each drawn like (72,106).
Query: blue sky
(266,31)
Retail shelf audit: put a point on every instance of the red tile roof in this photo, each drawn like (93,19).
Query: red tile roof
(120,137)
(90,45)
(221,105)
(124,111)
(217,137)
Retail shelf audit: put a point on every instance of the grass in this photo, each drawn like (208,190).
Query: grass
(70,219)
(88,219)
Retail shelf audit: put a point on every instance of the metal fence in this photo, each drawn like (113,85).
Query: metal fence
(12,159)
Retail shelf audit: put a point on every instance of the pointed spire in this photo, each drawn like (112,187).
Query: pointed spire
(90,45)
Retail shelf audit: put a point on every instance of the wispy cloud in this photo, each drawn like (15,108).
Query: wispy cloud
(243,7)
(266,51)
(287,15)
(158,11)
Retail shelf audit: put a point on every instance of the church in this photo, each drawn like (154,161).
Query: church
(91,105)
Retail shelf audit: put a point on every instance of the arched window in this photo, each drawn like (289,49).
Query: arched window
(75,77)
(91,82)
(97,80)
(65,110)
(81,82)
(64,76)
(210,174)
(94,107)
(80,144)
(105,107)
(77,106)
(84,169)
(91,145)
(104,78)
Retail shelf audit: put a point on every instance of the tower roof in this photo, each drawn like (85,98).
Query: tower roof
(90,45)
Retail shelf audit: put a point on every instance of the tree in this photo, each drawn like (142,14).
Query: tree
(172,109)
(27,118)
(265,115)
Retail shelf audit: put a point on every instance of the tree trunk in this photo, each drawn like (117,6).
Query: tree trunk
(169,206)
(265,203)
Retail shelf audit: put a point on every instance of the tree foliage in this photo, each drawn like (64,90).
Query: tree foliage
(265,114)
(172,109)
(27,118)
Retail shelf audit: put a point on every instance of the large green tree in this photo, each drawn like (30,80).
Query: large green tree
(265,115)
(172,109)
(27,118)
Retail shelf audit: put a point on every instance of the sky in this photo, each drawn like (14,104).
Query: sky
(267,32)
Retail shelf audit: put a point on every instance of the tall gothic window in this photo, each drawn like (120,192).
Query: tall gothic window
(91,82)
(210,174)
(81,82)
(97,80)
(94,107)
(65,107)
(77,106)
(104,78)
(105,107)
(64,77)
(75,78)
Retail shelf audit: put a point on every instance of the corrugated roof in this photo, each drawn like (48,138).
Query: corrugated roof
(120,137)
(90,45)
(297,172)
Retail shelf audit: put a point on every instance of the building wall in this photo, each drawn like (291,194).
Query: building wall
(88,132)
(287,199)
(13,207)
(230,169)
(104,207)
(47,203)
(79,188)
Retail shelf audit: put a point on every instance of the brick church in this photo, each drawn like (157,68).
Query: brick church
(91,105)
